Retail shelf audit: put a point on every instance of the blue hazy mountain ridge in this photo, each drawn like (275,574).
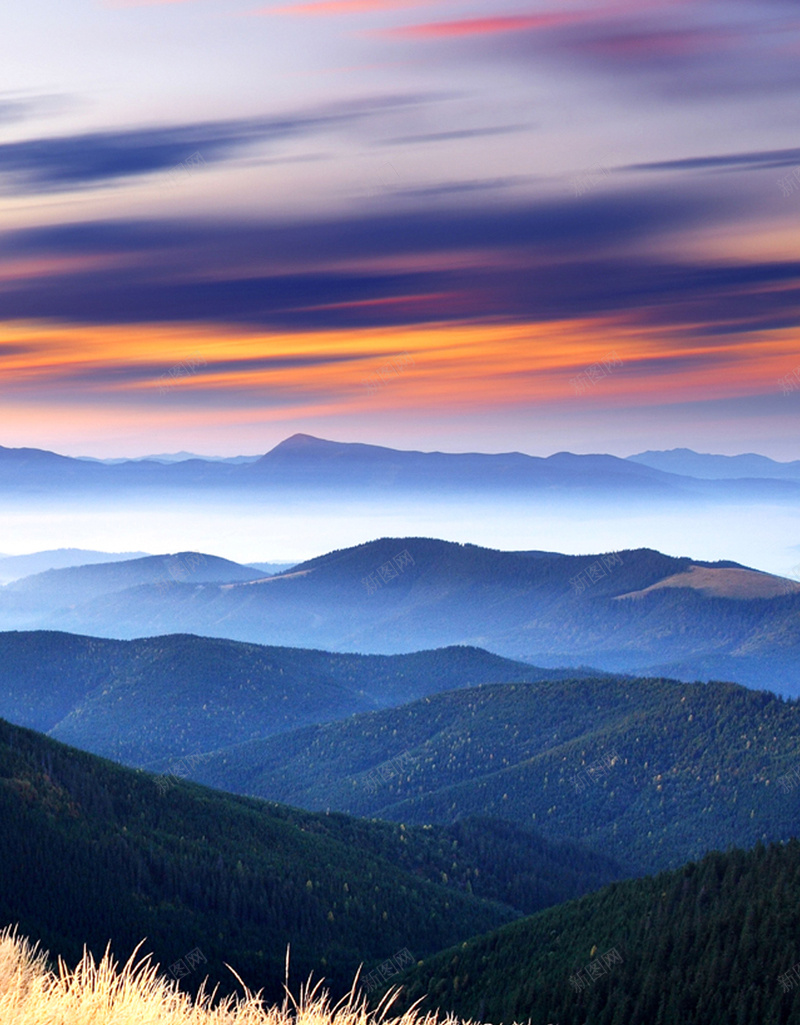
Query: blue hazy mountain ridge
(14,567)
(628,611)
(686,462)
(271,568)
(36,471)
(305,459)
(303,462)
(66,587)
(650,772)
(165,697)
(172,457)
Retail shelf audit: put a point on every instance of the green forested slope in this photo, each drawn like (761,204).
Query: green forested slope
(691,767)
(704,944)
(165,697)
(92,852)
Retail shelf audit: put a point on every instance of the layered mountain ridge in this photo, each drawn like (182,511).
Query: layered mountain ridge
(634,611)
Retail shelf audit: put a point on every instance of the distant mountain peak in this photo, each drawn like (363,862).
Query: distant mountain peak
(300,441)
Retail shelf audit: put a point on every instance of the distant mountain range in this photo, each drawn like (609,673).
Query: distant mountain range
(173,457)
(306,463)
(271,568)
(631,611)
(65,588)
(651,772)
(687,463)
(14,567)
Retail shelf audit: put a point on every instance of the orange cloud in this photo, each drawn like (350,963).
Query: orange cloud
(452,367)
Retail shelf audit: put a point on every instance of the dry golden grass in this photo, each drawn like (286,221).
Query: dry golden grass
(724,583)
(103,993)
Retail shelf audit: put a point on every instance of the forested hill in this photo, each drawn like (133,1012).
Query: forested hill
(92,852)
(652,772)
(159,697)
(705,944)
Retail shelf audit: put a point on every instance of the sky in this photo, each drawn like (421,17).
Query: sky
(427,224)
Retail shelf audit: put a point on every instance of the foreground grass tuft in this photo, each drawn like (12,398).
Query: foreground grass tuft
(103,993)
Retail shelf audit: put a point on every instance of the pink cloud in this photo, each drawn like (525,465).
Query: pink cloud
(542,20)
(329,8)
(484,26)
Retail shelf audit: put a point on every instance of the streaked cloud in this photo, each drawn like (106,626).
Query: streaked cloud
(457,367)
(453,188)
(760,160)
(499,260)
(79,161)
(547,226)
(485,26)
(630,44)
(455,134)
(551,260)
(15,107)
(677,48)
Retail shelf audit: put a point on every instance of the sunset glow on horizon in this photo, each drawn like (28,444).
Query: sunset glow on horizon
(166,377)
(507,195)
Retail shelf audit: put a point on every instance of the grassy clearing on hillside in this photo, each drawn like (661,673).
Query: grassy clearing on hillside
(136,994)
